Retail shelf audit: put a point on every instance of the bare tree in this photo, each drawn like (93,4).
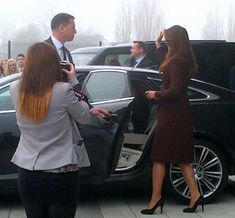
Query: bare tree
(44,22)
(86,36)
(214,27)
(231,24)
(6,33)
(24,38)
(142,20)
(123,28)
(149,19)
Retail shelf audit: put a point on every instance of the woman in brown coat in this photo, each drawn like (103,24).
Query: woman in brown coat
(173,141)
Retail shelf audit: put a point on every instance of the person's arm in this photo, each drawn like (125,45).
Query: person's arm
(177,83)
(159,39)
(79,110)
(160,51)
(72,79)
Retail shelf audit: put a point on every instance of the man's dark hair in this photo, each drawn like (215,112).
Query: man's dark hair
(141,44)
(61,18)
(20,55)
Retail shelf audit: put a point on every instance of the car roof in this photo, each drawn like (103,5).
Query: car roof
(89,49)
(11,78)
(128,44)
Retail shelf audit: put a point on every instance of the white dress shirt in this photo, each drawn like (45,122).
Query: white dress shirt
(58,46)
(138,60)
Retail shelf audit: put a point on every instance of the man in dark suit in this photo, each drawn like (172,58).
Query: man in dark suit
(138,53)
(63,30)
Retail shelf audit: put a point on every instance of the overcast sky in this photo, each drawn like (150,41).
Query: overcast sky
(100,15)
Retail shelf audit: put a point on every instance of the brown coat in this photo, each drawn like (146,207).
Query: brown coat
(173,141)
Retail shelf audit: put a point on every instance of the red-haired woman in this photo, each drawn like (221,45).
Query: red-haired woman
(48,154)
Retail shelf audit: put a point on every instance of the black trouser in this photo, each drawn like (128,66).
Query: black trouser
(49,195)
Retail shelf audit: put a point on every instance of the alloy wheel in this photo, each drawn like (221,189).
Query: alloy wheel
(208,171)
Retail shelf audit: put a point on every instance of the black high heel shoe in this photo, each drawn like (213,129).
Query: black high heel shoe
(152,210)
(199,201)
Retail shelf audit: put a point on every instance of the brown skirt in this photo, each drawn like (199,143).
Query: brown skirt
(173,142)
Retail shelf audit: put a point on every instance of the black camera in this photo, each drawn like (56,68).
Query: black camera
(64,65)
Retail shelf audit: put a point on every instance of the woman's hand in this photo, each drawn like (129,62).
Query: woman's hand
(153,94)
(71,73)
(159,39)
(99,112)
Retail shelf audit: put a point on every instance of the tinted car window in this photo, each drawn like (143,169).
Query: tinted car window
(5,99)
(118,60)
(101,87)
(82,58)
(215,61)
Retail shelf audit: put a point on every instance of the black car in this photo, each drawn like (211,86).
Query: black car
(119,146)
(215,58)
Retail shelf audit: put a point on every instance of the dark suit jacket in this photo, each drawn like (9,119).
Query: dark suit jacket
(77,86)
(145,63)
(49,40)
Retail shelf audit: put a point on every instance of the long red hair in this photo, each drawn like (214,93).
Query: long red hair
(41,71)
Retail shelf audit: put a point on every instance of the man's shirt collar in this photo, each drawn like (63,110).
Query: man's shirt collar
(56,42)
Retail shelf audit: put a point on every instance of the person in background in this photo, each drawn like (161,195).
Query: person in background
(63,30)
(173,142)
(20,59)
(1,72)
(11,67)
(3,67)
(50,150)
(138,53)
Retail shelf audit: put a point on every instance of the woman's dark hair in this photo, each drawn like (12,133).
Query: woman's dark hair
(61,18)
(179,48)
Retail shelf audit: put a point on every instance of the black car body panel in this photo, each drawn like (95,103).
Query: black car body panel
(113,157)
(215,58)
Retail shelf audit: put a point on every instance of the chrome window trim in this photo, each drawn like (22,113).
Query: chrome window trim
(7,111)
(109,70)
(152,78)
(8,84)
(209,96)
(112,101)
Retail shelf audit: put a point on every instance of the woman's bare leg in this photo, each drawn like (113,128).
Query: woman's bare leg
(188,173)
(158,174)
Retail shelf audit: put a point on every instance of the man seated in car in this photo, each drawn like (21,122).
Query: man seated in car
(138,53)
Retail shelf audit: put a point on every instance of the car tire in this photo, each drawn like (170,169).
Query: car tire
(211,172)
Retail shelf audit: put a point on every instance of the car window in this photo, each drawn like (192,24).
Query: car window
(215,61)
(100,87)
(118,60)
(5,99)
(81,59)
